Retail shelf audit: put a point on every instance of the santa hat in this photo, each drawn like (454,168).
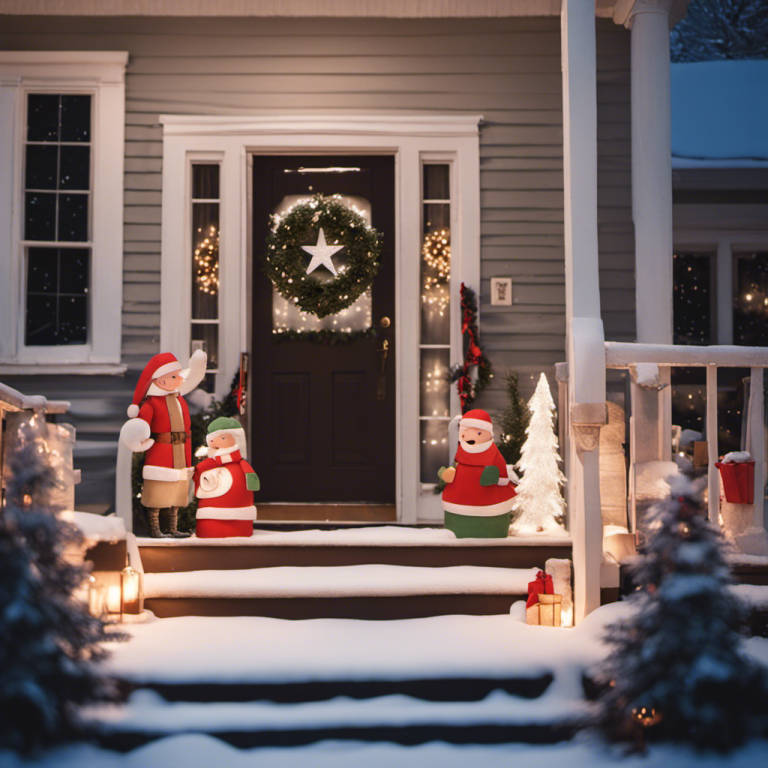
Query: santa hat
(477,419)
(224,425)
(159,365)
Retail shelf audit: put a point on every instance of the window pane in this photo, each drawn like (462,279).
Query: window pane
(693,297)
(43,117)
(434,448)
(40,216)
(73,217)
(76,118)
(209,334)
(57,296)
(205,266)
(436,276)
(73,320)
(75,168)
(41,166)
(43,270)
(436,182)
(205,182)
(750,311)
(435,385)
(73,275)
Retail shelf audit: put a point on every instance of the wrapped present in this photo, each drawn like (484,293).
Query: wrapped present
(543,606)
(542,584)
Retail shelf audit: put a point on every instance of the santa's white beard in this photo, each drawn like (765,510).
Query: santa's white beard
(214,452)
(477,447)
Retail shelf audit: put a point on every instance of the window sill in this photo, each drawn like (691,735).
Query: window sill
(62,369)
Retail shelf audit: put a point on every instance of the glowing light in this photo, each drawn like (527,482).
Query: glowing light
(436,255)
(207,263)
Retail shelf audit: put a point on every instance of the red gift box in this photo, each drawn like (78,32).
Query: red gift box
(738,481)
(542,584)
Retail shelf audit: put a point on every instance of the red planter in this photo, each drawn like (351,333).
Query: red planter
(738,481)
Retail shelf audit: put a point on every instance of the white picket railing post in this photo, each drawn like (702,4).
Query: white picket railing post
(756,442)
(713,475)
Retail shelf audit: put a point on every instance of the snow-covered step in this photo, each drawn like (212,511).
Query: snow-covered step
(499,717)
(353,591)
(389,545)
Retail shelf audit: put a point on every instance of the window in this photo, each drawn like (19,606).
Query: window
(435,346)
(205,261)
(750,302)
(62,148)
(57,182)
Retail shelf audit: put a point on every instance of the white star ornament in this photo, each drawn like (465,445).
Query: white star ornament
(321,254)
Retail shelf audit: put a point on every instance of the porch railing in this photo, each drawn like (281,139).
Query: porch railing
(620,355)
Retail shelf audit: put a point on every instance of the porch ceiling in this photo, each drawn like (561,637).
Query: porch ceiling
(333,8)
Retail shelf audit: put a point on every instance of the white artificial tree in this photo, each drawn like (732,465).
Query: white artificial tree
(539,501)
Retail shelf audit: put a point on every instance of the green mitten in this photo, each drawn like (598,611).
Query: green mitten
(440,472)
(252,481)
(490,476)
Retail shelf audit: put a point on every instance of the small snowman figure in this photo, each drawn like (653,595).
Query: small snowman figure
(477,498)
(224,484)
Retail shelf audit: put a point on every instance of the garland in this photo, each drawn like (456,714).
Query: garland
(473,354)
(323,336)
(286,261)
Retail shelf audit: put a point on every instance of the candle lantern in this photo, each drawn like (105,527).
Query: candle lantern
(97,598)
(131,592)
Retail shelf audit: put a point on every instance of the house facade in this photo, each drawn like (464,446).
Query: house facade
(533,137)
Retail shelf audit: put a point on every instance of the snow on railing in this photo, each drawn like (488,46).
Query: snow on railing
(627,355)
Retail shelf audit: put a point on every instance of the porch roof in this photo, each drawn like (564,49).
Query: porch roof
(312,8)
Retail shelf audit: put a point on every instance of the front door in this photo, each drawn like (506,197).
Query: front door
(323,426)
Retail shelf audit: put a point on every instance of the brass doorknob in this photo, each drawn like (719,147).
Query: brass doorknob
(385,322)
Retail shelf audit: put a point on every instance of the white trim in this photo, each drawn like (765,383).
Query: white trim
(165,474)
(291,8)
(62,370)
(101,74)
(492,510)
(167,368)
(478,423)
(226,513)
(411,140)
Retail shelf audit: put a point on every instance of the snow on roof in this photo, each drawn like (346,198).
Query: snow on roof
(720,113)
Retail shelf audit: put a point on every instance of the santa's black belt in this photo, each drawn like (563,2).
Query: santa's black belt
(170,438)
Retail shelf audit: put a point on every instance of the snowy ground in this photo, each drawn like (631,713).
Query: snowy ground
(247,649)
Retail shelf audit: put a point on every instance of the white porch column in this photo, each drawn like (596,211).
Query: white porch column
(584,328)
(650,22)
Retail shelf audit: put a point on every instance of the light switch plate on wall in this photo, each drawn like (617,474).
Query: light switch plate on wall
(501,291)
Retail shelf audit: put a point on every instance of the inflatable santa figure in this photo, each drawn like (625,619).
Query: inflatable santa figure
(159,424)
(224,484)
(477,498)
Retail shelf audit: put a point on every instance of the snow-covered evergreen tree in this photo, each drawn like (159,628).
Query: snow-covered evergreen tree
(49,643)
(539,502)
(514,421)
(676,662)
(721,29)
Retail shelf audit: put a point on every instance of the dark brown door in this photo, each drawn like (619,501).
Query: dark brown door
(323,421)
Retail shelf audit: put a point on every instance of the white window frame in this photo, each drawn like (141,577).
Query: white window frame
(411,140)
(723,245)
(102,75)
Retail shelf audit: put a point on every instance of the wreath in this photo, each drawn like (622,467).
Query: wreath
(287,261)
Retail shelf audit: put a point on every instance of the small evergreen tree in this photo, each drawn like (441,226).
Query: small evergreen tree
(49,643)
(721,29)
(676,666)
(514,421)
(539,501)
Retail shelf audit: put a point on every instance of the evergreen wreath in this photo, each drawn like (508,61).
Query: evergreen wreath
(285,262)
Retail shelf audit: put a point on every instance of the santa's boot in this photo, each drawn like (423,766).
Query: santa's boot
(171,520)
(154,524)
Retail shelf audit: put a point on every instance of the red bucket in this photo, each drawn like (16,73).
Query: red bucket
(738,481)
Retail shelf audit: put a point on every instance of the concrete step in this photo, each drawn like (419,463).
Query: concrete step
(385,545)
(373,592)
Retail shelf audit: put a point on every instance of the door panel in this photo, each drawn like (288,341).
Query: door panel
(332,436)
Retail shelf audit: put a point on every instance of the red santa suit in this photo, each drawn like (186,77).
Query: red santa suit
(474,508)
(225,504)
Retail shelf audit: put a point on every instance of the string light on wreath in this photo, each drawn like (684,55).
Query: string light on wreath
(436,253)
(207,262)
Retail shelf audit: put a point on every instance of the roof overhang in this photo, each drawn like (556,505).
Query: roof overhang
(312,8)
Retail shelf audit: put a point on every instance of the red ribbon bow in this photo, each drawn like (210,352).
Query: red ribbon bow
(541,585)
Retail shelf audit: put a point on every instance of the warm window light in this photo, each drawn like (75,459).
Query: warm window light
(130,591)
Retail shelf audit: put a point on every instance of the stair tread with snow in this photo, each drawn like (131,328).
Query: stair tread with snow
(352,591)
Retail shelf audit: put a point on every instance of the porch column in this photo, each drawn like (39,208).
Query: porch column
(585,339)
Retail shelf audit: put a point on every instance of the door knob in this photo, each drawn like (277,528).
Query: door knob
(385,322)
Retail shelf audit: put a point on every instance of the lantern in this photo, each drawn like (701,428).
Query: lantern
(131,593)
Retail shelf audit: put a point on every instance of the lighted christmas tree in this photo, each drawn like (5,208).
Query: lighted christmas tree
(539,502)
(676,671)
(49,643)
(514,422)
